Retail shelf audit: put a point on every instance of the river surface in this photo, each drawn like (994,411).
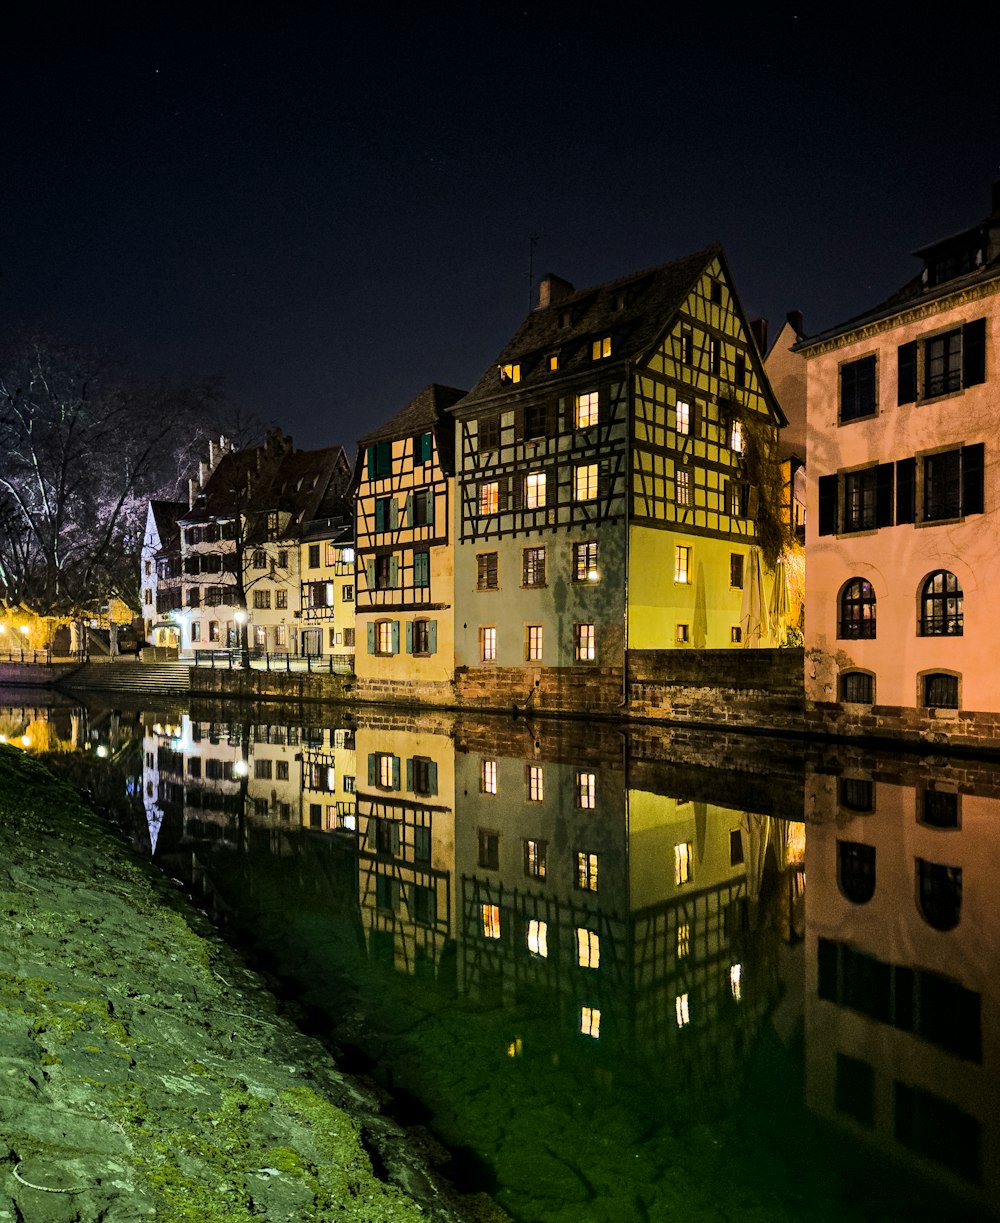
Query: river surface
(585,960)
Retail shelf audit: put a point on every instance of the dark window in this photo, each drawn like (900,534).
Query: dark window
(857,687)
(938,808)
(859,500)
(423,776)
(533,560)
(537,421)
(953,483)
(421,637)
(384,507)
(942,364)
(489,432)
(938,1130)
(421,845)
(384,572)
(857,610)
(857,389)
(736,856)
(941,611)
(939,894)
(424,902)
(489,850)
(736,570)
(421,508)
(687,346)
(856,793)
(379,460)
(856,871)
(486,571)
(716,293)
(940,691)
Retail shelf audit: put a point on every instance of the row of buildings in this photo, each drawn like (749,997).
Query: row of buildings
(636,472)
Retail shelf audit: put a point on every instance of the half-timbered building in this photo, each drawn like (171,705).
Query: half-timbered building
(607,484)
(403,490)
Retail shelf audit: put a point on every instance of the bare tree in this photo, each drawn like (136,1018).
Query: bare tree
(82,446)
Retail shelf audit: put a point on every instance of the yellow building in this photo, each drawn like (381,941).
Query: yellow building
(404,487)
(327,566)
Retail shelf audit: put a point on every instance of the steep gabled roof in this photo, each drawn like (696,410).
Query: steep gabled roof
(635,311)
(426,412)
(165,516)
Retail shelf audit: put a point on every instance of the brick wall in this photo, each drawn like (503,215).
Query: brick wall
(953,729)
(751,688)
(543,689)
(253,685)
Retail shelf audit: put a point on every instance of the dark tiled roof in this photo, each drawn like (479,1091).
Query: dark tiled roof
(635,311)
(166,515)
(420,414)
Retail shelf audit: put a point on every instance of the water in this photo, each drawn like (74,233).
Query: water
(586,960)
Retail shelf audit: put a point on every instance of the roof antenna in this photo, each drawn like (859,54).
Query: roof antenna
(533,240)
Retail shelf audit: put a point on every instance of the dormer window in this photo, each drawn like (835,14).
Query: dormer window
(618,301)
(601,348)
(553,362)
(511,372)
(565,318)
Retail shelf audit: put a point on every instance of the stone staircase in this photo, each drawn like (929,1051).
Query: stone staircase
(165,678)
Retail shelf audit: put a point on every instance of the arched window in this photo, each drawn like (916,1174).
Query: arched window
(940,690)
(857,609)
(856,871)
(939,894)
(941,601)
(857,687)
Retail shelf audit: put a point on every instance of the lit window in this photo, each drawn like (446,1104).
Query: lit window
(586,410)
(682,634)
(682,563)
(491,921)
(687,346)
(553,361)
(714,354)
(511,372)
(681,1009)
(533,643)
(261,599)
(585,644)
(387,771)
(281,636)
(537,937)
(683,940)
(534,490)
(586,791)
(682,862)
(585,482)
(588,948)
(534,859)
(590,1021)
(488,643)
(385,639)
(586,871)
(736,437)
(736,634)
(683,416)
(735,980)
(585,562)
(533,567)
(488,776)
(682,486)
(535,782)
(489,497)
(601,348)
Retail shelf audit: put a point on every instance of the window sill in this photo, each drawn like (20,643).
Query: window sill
(853,420)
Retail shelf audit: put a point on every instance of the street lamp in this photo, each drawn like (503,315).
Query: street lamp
(241,618)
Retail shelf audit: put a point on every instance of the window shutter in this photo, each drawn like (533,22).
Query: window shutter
(429,502)
(974,352)
(866,384)
(432,636)
(408,510)
(603,480)
(603,405)
(828,505)
(409,636)
(972,479)
(370,574)
(394,571)
(517,491)
(393,514)
(906,490)
(395,636)
(395,786)
(519,424)
(371,638)
(426,447)
(409,773)
(432,777)
(883,495)
(907,373)
(371,463)
(372,779)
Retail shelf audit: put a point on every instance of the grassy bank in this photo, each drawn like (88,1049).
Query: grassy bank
(144,1072)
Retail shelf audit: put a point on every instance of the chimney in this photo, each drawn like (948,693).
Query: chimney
(192,493)
(211,455)
(202,473)
(758,329)
(797,323)
(552,289)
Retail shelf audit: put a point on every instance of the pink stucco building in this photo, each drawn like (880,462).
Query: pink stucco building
(902,534)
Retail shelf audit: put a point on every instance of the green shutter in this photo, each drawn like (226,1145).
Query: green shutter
(370,574)
(393,571)
(426,447)
(379,515)
(372,775)
(395,639)
(393,514)
(429,500)
(371,638)
(409,773)
(409,636)
(432,636)
(372,463)
(432,777)
(395,786)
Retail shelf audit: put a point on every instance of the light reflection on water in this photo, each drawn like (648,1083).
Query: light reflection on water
(586,960)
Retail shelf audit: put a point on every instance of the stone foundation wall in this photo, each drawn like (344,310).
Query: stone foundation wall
(587,690)
(402,692)
(257,685)
(952,729)
(737,688)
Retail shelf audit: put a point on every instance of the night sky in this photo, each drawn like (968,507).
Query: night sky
(332,211)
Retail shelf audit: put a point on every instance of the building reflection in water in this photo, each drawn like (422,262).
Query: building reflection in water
(902,937)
